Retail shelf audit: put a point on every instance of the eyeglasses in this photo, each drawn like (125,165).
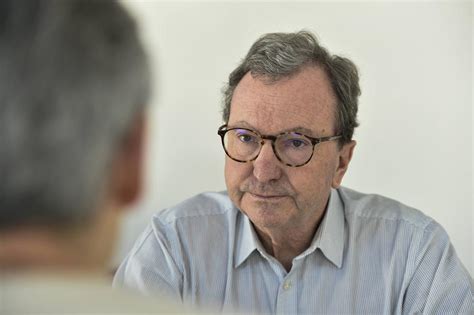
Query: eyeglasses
(291,148)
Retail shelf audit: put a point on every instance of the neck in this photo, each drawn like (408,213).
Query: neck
(286,245)
(32,249)
(85,247)
(287,242)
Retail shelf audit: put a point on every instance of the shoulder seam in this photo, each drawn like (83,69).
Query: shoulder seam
(422,225)
(135,250)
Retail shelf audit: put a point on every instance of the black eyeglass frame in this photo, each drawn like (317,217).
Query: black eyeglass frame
(314,141)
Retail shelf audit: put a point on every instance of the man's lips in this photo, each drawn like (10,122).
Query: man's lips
(266,196)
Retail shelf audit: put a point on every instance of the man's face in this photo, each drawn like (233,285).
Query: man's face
(271,194)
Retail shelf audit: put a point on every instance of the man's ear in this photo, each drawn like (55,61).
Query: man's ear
(126,177)
(345,156)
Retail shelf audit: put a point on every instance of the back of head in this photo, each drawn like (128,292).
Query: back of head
(73,77)
(277,55)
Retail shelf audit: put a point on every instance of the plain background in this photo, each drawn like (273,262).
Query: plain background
(415,140)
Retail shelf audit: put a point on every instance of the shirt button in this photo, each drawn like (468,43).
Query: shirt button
(287,285)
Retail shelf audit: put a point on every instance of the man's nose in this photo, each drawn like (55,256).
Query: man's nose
(266,166)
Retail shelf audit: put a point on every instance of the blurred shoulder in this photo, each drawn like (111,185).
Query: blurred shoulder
(52,294)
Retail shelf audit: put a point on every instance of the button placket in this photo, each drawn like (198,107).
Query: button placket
(287,295)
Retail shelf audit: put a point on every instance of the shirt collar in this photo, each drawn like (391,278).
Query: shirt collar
(329,237)
(246,241)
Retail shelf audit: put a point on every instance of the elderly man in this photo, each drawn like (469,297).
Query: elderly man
(286,237)
(73,84)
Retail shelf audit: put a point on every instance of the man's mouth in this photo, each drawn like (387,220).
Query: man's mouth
(267,197)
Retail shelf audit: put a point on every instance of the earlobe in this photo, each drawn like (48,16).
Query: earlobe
(126,173)
(345,156)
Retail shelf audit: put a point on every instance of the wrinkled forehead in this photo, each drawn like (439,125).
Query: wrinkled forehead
(304,100)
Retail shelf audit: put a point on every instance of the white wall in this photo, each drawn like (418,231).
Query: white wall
(415,140)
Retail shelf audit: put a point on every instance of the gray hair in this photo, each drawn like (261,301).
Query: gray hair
(277,55)
(73,78)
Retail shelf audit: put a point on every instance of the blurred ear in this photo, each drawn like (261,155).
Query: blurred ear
(345,156)
(126,177)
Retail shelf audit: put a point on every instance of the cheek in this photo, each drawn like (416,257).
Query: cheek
(311,183)
(309,176)
(235,174)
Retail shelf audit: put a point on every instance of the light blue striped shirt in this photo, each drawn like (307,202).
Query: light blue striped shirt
(370,255)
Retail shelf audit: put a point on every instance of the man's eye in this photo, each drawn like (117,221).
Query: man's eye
(297,143)
(246,138)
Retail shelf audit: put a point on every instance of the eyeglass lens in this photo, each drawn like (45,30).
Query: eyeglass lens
(291,148)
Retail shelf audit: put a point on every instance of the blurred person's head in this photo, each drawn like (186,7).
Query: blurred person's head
(73,85)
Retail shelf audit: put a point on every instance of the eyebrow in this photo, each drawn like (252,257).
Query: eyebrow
(299,129)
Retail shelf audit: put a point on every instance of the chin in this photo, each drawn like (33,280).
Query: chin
(265,215)
(266,222)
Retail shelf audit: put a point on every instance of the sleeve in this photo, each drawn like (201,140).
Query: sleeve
(153,265)
(440,284)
